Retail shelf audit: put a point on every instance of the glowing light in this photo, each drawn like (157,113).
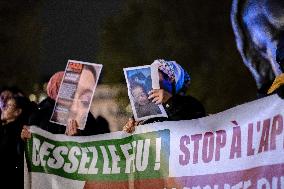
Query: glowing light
(33,97)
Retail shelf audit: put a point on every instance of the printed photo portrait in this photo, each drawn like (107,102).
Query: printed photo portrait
(61,110)
(139,83)
(80,97)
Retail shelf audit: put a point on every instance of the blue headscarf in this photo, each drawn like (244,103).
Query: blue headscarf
(175,72)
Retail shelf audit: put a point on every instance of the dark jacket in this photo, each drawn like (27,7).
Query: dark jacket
(42,116)
(180,108)
(147,110)
(280,91)
(12,158)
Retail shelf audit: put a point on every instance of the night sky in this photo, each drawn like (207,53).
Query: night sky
(70,31)
(38,37)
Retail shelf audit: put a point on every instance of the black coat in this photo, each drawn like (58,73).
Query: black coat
(181,108)
(280,91)
(42,116)
(12,158)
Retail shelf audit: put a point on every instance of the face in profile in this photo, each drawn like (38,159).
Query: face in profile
(140,95)
(83,96)
(10,111)
(4,96)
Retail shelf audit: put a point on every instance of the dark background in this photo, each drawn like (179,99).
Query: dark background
(38,37)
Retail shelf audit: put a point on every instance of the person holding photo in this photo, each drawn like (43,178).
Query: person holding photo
(174,82)
(41,117)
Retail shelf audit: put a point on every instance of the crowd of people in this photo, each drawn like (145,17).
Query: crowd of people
(18,112)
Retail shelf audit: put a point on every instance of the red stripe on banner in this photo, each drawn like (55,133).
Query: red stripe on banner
(271,176)
(260,177)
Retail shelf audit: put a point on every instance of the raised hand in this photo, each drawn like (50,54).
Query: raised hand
(129,127)
(72,128)
(159,96)
(26,134)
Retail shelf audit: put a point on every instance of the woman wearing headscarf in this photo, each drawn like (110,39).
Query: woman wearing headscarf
(41,117)
(45,108)
(174,81)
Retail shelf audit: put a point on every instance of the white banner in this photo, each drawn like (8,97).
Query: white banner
(242,147)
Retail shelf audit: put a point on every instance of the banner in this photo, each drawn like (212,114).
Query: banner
(242,147)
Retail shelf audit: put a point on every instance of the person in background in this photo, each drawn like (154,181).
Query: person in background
(277,86)
(5,94)
(174,82)
(14,115)
(41,117)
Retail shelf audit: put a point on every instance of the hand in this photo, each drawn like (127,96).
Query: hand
(72,128)
(159,96)
(129,127)
(26,134)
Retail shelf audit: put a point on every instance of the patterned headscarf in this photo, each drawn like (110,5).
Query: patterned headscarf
(175,72)
(54,84)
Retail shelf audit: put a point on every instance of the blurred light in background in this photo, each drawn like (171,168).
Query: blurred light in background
(33,97)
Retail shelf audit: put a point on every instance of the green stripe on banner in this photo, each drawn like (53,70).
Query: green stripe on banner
(138,156)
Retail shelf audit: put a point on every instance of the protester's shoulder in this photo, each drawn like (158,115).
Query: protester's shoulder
(46,104)
(42,112)
(187,100)
(95,126)
(102,120)
(185,107)
(196,104)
